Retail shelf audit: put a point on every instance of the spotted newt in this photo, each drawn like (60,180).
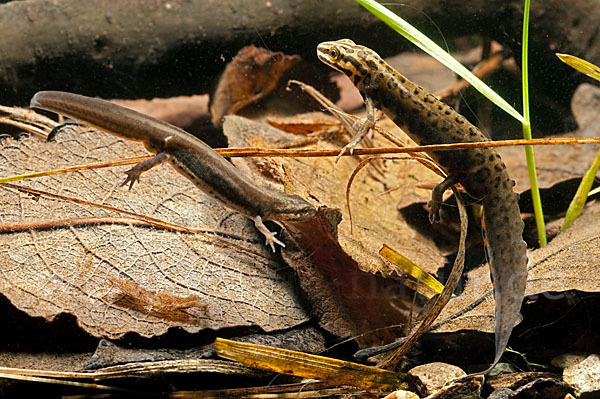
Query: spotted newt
(190,156)
(481,172)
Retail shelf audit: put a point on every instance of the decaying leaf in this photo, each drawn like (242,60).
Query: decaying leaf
(312,366)
(343,275)
(50,361)
(304,339)
(89,270)
(373,199)
(250,76)
(179,111)
(569,262)
(530,384)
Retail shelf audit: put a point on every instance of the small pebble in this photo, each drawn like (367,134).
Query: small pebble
(584,376)
(400,394)
(436,375)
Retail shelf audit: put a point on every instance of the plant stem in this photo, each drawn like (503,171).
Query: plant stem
(535,191)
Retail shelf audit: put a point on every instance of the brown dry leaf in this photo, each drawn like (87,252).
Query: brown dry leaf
(304,339)
(569,262)
(49,361)
(373,200)
(347,293)
(73,269)
(250,76)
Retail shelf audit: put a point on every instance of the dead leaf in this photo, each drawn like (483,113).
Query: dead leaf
(304,339)
(321,368)
(68,269)
(305,123)
(49,361)
(250,76)
(530,384)
(374,207)
(569,262)
(343,275)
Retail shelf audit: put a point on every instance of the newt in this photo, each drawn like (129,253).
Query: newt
(190,156)
(481,172)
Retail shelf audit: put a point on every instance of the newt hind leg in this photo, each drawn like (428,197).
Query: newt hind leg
(270,238)
(437,197)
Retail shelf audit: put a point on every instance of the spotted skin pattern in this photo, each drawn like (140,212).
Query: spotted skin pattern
(481,172)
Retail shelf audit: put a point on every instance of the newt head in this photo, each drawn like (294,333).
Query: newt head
(351,59)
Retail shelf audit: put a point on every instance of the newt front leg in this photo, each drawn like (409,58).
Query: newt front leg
(133,174)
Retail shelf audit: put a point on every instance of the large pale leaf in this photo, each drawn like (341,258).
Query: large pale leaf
(118,278)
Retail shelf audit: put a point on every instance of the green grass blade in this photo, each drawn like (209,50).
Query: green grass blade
(427,45)
(580,65)
(533,183)
(578,201)
(583,191)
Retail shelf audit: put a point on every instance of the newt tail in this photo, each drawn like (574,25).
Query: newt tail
(481,172)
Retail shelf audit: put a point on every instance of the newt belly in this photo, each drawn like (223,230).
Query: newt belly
(481,172)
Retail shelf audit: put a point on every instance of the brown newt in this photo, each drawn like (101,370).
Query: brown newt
(481,172)
(190,156)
